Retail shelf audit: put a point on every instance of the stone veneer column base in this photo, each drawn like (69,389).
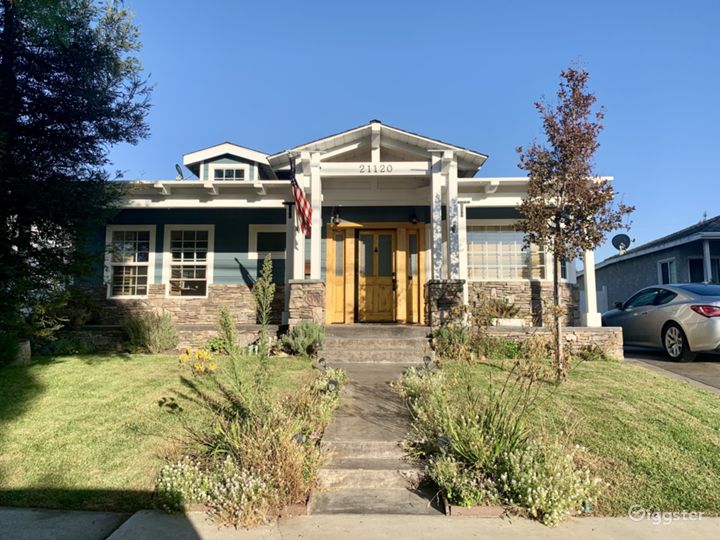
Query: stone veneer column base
(306,301)
(443,298)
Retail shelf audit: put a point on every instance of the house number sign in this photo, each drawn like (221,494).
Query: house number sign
(375,168)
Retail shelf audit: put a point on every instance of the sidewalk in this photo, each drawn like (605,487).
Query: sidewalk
(21,524)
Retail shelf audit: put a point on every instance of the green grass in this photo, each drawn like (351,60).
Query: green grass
(655,441)
(87,432)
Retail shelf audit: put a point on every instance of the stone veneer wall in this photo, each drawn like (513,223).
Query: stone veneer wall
(112,337)
(531,297)
(237,298)
(609,338)
(442,299)
(307,301)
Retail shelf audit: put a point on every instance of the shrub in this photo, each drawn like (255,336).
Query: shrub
(453,342)
(544,480)
(66,345)
(227,331)
(264,292)
(150,332)
(305,339)
(461,484)
(80,308)
(489,308)
(200,361)
(594,353)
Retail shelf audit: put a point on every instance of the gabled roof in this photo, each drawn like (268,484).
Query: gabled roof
(472,157)
(222,149)
(708,228)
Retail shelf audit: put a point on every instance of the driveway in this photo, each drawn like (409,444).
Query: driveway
(704,372)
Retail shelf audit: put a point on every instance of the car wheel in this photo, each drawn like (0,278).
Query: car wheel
(676,344)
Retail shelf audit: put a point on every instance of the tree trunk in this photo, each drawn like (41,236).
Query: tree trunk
(557,330)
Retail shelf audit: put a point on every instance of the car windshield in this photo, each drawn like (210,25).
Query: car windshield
(701,289)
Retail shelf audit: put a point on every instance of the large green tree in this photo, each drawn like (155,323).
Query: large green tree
(568,209)
(70,88)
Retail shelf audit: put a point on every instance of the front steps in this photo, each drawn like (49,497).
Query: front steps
(368,472)
(376,344)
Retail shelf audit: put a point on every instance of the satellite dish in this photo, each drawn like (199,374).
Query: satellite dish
(180,175)
(621,242)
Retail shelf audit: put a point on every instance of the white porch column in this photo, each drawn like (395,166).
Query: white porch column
(289,253)
(462,239)
(591,317)
(436,216)
(298,244)
(452,221)
(316,229)
(707,265)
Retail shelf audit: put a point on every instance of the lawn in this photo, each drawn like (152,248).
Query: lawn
(655,441)
(87,431)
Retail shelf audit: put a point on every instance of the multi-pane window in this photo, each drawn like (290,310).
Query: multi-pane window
(129,256)
(667,272)
(229,173)
(189,262)
(496,252)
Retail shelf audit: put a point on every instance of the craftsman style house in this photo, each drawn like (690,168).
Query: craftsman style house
(402,230)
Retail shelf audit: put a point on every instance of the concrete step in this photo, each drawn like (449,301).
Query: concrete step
(388,356)
(375,501)
(376,330)
(372,342)
(365,449)
(369,474)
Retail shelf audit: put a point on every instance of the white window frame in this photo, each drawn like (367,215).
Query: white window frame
(167,257)
(212,167)
(107,274)
(701,258)
(253,230)
(660,262)
(506,222)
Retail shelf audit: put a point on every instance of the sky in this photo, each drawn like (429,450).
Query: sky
(271,75)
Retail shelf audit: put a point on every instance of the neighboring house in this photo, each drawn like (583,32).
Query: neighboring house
(691,255)
(401,231)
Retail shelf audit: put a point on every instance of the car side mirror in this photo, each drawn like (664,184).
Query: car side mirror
(619,305)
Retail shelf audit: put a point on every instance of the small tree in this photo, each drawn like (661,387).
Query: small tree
(264,292)
(568,209)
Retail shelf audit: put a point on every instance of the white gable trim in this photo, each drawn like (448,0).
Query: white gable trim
(221,149)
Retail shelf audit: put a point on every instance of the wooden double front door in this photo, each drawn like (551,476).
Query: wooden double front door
(375,274)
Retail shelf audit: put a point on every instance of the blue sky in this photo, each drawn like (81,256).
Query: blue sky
(271,75)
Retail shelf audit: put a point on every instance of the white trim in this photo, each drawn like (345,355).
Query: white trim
(107,270)
(212,167)
(167,256)
(221,149)
(253,229)
(670,276)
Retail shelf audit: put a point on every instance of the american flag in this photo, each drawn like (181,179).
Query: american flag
(303,210)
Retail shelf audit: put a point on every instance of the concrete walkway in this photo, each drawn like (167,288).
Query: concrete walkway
(22,524)
(703,373)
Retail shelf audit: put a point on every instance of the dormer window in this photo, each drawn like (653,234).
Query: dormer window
(229,174)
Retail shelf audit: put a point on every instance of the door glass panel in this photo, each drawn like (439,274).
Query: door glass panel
(384,255)
(365,257)
(339,253)
(413,262)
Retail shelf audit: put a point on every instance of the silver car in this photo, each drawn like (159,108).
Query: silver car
(683,319)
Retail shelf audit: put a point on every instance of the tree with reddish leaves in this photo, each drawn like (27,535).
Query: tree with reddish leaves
(568,209)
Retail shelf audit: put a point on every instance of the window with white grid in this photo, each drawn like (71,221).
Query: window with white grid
(189,261)
(129,260)
(495,252)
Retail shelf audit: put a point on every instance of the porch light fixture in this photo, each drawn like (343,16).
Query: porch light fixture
(336,220)
(414,219)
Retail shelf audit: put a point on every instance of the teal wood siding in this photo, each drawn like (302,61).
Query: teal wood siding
(231,263)
(205,169)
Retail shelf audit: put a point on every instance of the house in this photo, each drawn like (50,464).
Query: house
(691,255)
(402,231)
